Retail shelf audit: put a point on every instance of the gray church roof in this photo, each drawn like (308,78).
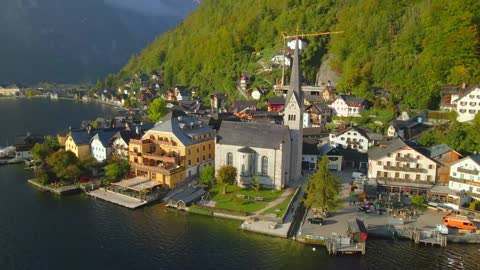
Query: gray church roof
(252,134)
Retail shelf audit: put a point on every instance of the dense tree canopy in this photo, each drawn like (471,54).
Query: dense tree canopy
(323,188)
(409,47)
(157,109)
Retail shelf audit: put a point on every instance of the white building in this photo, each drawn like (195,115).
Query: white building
(468,105)
(101,146)
(121,140)
(281,59)
(465,175)
(354,138)
(345,106)
(255,150)
(399,167)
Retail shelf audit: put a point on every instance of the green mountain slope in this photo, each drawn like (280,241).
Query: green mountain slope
(411,47)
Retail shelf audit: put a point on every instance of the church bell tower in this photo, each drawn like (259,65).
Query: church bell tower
(293,117)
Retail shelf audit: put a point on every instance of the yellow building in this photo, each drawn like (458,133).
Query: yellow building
(78,142)
(9,91)
(178,146)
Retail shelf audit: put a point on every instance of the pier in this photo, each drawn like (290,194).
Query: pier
(344,246)
(65,190)
(117,198)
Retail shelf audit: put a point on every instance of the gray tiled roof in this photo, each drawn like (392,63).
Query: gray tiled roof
(80,137)
(104,136)
(380,151)
(252,134)
(440,149)
(183,127)
(476,158)
(310,147)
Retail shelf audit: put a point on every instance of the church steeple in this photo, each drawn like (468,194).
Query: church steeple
(295,77)
(293,116)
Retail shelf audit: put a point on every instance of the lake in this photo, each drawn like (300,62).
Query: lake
(42,231)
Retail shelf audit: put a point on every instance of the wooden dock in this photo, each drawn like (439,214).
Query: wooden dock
(344,246)
(433,238)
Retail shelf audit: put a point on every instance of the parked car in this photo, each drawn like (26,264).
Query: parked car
(364,208)
(358,175)
(316,220)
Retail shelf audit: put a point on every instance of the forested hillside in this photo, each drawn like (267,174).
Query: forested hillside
(412,47)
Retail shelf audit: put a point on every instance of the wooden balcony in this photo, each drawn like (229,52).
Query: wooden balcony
(163,142)
(135,154)
(465,181)
(404,169)
(157,169)
(405,159)
(402,180)
(463,170)
(164,158)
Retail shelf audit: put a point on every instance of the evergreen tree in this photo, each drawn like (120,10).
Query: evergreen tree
(323,188)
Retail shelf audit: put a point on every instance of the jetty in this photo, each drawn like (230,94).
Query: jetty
(117,198)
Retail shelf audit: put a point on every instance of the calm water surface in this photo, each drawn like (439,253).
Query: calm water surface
(42,231)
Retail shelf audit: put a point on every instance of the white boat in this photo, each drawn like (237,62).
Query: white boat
(7,152)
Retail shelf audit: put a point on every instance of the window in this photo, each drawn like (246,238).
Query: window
(398,155)
(243,169)
(379,163)
(418,157)
(209,146)
(204,148)
(473,103)
(471,111)
(417,177)
(135,149)
(430,166)
(397,175)
(198,160)
(209,156)
(189,152)
(264,165)
(429,178)
(198,149)
(407,176)
(189,162)
(203,158)
(462,110)
(154,175)
(471,96)
(229,159)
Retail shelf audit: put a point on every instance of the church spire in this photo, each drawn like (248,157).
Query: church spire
(295,77)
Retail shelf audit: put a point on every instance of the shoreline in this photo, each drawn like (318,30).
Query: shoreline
(90,100)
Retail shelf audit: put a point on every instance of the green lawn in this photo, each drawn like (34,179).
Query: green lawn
(282,206)
(230,200)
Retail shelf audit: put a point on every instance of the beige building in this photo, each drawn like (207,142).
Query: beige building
(9,91)
(400,167)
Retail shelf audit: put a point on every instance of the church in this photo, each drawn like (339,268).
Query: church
(271,152)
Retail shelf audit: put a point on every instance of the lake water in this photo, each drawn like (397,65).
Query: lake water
(41,231)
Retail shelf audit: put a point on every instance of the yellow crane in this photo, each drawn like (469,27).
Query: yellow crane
(286,36)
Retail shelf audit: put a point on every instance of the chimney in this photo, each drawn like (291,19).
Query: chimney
(137,130)
(329,83)
(89,129)
(464,85)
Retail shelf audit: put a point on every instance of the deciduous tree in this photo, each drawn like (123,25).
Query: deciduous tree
(226,175)
(157,109)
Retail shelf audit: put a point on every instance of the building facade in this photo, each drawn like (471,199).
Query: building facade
(465,175)
(353,138)
(469,104)
(261,150)
(399,167)
(316,115)
(78,142)
(178,146)
(347,106)
(101,145)
(9,91)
